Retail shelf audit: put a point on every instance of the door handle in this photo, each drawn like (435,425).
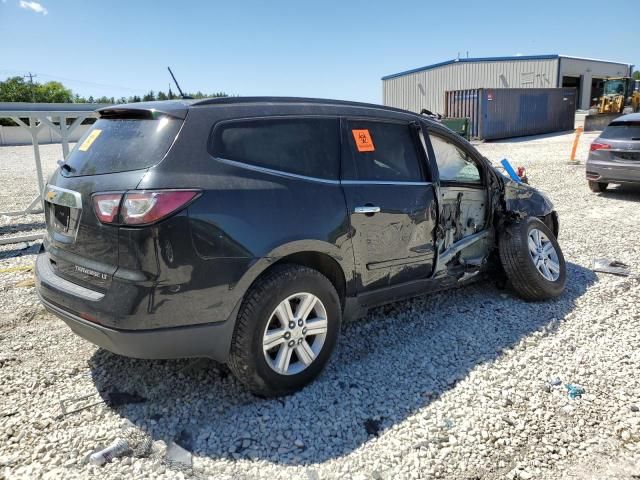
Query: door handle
(367,209)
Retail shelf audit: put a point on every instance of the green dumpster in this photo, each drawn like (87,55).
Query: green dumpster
(458,125)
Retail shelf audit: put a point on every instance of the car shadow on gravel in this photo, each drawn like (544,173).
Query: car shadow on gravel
(21,227)
(394,362)
(629,193)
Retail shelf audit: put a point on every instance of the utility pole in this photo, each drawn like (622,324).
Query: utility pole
(33,92)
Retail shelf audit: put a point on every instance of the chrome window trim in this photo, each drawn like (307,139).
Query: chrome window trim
(280,173)
(382,182)
(62,196)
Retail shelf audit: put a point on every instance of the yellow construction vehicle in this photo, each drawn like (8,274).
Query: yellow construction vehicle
(618,94)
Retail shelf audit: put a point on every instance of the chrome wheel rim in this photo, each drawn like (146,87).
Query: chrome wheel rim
(295,334)
(544,255)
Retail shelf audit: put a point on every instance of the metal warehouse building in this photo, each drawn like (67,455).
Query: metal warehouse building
(425,87)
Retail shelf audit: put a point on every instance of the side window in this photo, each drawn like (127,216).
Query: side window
(304,146)
(382,152)
(454,165)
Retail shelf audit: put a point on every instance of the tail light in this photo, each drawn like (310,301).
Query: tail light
(106,206)
(140,208)
(599,146)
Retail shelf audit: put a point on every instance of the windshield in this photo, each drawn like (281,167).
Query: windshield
(614,87)
(119,145)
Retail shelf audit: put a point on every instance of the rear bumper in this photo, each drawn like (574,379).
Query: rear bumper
(613,172)
(210,340)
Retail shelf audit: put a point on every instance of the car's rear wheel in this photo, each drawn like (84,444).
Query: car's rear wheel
(533,260)
(287,327)
(597,186)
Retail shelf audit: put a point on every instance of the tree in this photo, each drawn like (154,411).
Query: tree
(636,75)
(149,97)
(52,92)
(15,89)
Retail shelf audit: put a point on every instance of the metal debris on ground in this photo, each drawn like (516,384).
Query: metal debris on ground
(132,441)
(574,391)
(118,448)
(65,402)
(140,442)
(177,456)
(613,267)
(555,381)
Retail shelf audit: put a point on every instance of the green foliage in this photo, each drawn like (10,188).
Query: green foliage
(52,92)
(149,97)
(17,89)
(636,75)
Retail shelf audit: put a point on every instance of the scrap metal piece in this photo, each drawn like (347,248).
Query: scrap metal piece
(65,401)
(613,267)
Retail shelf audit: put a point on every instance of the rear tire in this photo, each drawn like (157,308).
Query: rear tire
(598,187)
(270,310)
(536,270)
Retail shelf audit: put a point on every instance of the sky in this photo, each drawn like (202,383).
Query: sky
(327,49)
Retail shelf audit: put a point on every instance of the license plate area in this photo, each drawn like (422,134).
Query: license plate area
(627,156)
(61,216)
(62,209)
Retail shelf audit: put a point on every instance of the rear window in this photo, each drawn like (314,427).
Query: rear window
(304,146)
(119,145)
(622,131)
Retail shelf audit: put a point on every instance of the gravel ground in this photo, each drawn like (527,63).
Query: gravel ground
(469,384)
(20,187)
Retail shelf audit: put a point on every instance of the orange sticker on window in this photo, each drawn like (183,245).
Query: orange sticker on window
(363,140)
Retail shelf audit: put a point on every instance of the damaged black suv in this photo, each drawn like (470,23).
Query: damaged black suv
(247,229)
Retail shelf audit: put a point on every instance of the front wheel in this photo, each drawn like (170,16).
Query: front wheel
(287,327)
(533,260)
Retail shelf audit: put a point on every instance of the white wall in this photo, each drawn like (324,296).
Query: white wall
(20,136)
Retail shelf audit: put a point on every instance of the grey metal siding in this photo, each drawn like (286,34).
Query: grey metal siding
(426,88)
(513,112)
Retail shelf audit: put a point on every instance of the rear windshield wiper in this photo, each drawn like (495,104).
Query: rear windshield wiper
(65,166)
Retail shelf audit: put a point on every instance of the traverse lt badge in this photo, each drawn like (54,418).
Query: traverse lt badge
(93,273)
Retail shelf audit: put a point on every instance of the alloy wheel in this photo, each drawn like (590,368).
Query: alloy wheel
(295,333)
(544,255)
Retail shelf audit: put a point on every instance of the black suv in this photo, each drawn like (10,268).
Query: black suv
(247,229)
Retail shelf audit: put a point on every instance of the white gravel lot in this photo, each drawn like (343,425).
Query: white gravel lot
(453,385)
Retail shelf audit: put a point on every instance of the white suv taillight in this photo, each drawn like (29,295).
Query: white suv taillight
(140,208)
